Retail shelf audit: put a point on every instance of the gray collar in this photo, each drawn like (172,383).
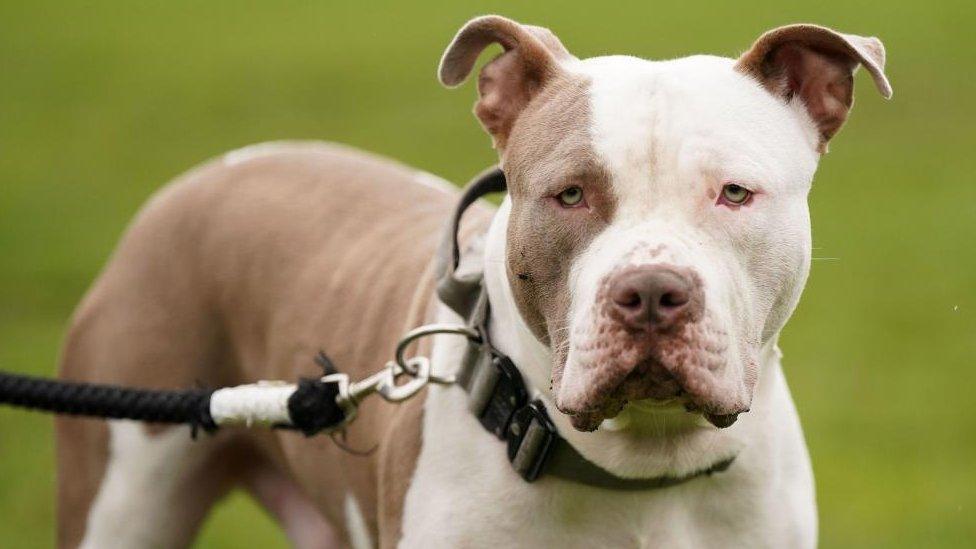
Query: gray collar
(498,395)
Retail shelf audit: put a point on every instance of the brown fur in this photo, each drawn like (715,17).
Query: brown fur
(816,64)
(82,452)
(537,114)
(550,152)
(506,84)
(243,271)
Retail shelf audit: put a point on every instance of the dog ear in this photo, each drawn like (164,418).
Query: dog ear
(817,65)
(531,57)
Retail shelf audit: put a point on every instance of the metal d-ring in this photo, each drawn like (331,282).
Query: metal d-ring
(428,330)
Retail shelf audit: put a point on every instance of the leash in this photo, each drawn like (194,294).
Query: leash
(311,406)
(498,396)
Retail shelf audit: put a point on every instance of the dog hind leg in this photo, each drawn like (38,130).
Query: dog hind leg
(156,490)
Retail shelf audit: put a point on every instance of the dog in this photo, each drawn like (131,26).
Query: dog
(654,240)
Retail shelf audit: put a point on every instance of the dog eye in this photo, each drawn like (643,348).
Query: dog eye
(573,196)
(735,194)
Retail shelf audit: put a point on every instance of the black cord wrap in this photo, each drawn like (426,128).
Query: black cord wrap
(108,401)
(313,408)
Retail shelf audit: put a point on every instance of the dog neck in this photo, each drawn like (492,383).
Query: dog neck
(623,446)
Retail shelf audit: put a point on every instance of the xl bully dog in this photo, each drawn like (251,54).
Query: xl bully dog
(653,242)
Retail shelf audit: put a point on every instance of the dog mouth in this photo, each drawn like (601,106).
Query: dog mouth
(649,389)
(591,420)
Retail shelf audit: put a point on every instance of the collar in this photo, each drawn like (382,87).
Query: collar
(498,397)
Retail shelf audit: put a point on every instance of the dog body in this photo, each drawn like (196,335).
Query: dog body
(654,242)
(243,270)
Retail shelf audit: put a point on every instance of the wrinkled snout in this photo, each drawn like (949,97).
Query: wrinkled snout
(649,336)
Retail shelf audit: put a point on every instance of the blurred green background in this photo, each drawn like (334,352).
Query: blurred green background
(103,102)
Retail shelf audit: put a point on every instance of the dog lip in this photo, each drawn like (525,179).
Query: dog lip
(590,419)
(722,421)
(665,393)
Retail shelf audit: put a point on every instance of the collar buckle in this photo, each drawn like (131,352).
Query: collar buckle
(496,391)
(531,438)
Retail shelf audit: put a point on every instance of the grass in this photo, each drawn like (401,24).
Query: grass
(101,103)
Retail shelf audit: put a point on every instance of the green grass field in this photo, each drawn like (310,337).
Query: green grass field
(103,102)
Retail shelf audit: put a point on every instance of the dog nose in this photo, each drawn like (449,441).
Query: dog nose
(655,296)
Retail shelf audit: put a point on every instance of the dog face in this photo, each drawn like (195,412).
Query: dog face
(658,235)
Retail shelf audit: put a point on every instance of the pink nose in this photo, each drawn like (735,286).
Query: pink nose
(655,297)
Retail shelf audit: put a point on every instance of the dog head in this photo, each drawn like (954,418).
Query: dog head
(658,234)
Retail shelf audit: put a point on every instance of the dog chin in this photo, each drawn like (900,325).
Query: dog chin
(651,438)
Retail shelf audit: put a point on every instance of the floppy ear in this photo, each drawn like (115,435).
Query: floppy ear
(817,65)
(531,57)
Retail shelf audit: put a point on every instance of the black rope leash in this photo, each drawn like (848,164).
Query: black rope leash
(107,401)
(311,408)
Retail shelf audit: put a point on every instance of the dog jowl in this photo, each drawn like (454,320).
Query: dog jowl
(658,237)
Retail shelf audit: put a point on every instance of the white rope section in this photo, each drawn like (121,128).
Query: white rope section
(262,403)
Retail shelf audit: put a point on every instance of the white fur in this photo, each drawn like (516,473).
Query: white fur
(690,111)
(136,504)
(356,528)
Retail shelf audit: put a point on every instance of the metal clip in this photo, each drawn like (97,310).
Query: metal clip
(384,382)
(432,329)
